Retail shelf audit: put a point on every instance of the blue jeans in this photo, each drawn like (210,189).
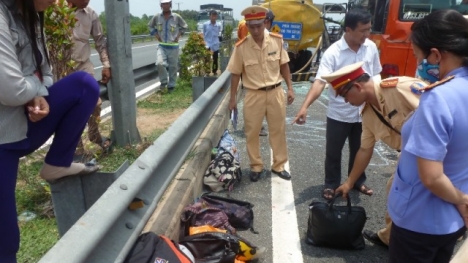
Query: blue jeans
(167,59)
(71,102)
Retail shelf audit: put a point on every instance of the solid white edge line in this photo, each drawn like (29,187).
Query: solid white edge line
(95,54)
(285,230)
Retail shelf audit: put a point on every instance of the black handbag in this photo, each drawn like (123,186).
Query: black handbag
(212,247)
(336,226)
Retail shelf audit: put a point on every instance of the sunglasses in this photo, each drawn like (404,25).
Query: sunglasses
(346,90)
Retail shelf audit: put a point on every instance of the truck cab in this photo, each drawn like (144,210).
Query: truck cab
(391,28)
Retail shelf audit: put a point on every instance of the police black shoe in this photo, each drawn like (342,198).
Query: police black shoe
(283,174)
(254,176)
(373,238)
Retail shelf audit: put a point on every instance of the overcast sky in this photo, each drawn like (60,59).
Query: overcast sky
(151,7)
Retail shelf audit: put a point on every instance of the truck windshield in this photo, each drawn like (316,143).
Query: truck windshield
(412,10)
(203,17)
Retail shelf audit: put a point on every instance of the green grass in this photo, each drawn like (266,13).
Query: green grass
(37,237)
(181,98)
(118,156)
(33,193)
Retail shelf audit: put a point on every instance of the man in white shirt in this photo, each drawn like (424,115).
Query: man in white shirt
(343,119)
(211,32)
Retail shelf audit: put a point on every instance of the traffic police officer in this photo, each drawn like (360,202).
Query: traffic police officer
(388,104)
(263,63)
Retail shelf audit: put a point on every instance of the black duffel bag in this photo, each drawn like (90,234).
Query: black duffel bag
(336,226)
(212,247)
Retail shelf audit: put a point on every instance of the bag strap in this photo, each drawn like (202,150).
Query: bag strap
(382,119)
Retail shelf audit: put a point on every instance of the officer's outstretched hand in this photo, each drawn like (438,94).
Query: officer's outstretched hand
(300,117)
(291,96)
(344,189)
(233,105)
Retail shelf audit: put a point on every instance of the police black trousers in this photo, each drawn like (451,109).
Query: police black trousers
(215,61)
(336,135)
(411,247)
(71,102)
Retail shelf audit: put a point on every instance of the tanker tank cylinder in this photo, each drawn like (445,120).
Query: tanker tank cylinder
(300,24)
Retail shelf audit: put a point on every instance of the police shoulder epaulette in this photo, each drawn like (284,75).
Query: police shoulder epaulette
(389,83)
(276,35)
(240,41)
(437,83)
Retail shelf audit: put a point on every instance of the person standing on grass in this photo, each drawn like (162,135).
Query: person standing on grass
(88,25)
(211,31)
(33,108)
(168,27)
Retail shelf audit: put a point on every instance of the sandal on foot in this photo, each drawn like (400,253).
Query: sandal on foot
(365,190)
(328,194)
(89,169)
(106,144)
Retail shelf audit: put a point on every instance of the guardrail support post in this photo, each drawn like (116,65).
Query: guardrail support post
(121,89)
(73,196)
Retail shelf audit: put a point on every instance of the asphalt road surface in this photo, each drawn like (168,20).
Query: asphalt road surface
(142,54)
(281,207)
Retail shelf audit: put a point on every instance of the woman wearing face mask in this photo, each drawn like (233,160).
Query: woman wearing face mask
(428,199)
(32,108)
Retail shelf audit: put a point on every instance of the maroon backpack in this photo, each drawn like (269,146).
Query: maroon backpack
(225,213)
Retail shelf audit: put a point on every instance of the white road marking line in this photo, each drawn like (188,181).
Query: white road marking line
(95,54)
(137,95)
(183,40)
(286,240)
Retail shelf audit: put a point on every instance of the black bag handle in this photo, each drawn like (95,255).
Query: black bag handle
(332,201)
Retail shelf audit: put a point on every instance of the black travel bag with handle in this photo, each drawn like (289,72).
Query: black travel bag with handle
(336,226)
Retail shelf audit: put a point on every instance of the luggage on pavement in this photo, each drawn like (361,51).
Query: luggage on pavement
(336,226)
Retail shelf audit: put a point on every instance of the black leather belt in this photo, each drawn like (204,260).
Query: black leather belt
(267,88)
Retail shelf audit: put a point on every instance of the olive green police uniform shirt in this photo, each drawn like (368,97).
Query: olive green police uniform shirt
(397,102)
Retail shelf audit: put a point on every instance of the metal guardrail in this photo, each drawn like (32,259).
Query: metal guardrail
(107,231)
(142,75)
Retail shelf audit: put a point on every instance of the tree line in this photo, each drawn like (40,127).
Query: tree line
(139,25)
